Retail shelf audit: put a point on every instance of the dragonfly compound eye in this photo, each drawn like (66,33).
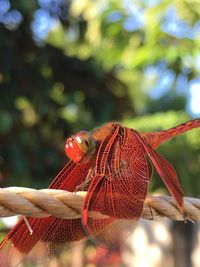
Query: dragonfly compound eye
(80,147)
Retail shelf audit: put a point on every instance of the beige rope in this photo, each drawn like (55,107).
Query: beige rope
(67,205)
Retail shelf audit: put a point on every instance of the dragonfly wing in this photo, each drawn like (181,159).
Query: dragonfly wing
(119,193)
(167,174)
(49,230)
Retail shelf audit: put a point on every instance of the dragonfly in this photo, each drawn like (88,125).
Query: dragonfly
(114,165)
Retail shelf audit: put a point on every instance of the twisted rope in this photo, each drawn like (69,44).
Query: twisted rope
(67,205)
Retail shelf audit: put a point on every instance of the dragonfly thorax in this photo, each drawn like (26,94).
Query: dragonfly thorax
(80,147)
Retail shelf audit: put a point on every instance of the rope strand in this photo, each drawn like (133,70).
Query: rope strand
(66,205)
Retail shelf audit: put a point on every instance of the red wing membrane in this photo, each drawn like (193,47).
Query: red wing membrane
(49,230)
(167,174)
(120,191)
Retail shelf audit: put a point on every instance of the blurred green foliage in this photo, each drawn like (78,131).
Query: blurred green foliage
(92,68)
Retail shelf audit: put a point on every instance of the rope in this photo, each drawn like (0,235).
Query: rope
(66,205)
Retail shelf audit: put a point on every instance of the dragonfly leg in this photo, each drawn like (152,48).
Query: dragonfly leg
(150,211)
(85,184)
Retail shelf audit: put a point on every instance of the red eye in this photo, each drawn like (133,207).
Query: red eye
(80,147)
(73,151)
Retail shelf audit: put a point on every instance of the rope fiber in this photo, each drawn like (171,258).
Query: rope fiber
(66,205)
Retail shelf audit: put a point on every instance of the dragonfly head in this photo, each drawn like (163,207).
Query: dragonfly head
(80,147)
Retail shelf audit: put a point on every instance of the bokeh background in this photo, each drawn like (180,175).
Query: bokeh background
(72,65)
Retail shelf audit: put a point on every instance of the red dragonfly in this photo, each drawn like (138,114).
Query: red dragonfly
(114,165)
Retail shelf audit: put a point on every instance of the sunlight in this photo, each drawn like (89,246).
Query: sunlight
(10,221)
(194,104)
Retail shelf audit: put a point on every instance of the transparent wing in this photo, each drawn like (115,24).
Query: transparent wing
(47,232)
(120,191)
(167,174)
